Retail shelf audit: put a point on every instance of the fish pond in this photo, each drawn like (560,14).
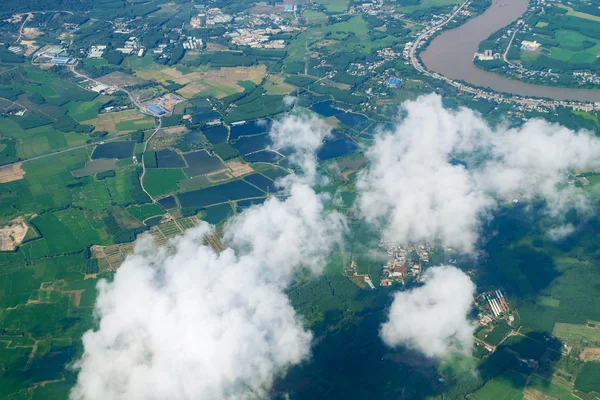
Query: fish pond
(215,134)
(169,159)
(200,163)
(262,182)
(351,119)
(325,109)
(114,150)
(266,156)
(168,202)
(252,144)
(336,148)
(235,190)
(250,128)
(217,214)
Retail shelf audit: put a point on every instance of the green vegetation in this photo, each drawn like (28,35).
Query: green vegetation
(159,181)
(587,380)
(145,211)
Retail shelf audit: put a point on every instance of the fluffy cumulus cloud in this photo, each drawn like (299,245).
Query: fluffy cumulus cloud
(432,319)
(416,190)
(302,135)
(187,322)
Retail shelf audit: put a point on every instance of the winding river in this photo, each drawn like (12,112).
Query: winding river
(451,54)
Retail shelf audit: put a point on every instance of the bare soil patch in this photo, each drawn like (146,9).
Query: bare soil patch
(32,32)
(590,354)
(11,173)
(31,47)
(12,235)
(239,168)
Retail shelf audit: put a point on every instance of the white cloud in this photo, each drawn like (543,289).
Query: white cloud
(432,319)
(415,192)
(560,232)
(186,322)
(411,190)
(304,134)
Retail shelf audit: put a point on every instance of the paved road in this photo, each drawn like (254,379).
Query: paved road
(133,100)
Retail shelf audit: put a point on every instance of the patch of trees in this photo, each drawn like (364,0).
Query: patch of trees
(299,80)
(150,160)
(138,136)
(68,124)
(10,57)
(105,174)
(113,57)
(339,94)
(8,154)
(120,234)
(10,7)
(98,134)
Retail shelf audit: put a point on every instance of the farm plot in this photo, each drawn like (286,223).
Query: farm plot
(118,78)
(221,82)
(145,211)
(575,334)
(162,181)
(86,110)
(236,190)
(121,122)
(11,173)
(114,150)
(239,168)
(507,386)
(94,167)
(201,163)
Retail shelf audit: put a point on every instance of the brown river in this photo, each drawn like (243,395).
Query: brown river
(451,54)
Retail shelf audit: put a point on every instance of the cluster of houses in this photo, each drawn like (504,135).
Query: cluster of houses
(404,261)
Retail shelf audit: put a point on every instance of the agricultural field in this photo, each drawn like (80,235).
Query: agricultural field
(121,122)
(145,211)
(425,4)
(335,6)
(578,334)
(508,386)
(160,181)
(94,167)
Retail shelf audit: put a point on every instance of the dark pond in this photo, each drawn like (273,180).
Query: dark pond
(325,109)
(168,202)
(263,156)
(250,128)
(336,148)
(262,182)
(235,190)
(251,144)
(169,159)
(113,150)
(200,163)
(215,134)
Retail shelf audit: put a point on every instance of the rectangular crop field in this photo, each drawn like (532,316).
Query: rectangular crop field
(145,211)
(121,122)
(574,334)
(507,386)
(159,181)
